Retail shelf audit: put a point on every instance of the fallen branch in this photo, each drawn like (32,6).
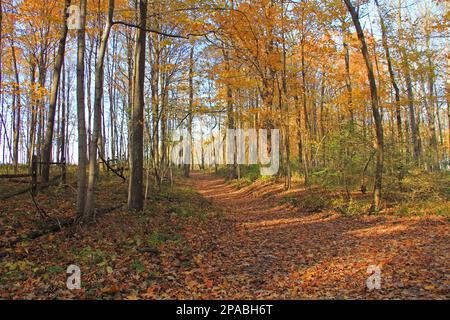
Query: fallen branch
(112,169)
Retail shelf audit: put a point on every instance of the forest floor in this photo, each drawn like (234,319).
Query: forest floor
(273,250)
(206,239)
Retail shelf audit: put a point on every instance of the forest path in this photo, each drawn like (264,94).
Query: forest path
(271,250)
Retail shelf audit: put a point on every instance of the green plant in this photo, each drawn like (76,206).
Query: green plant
(351,206)
(138,266)
(156,238)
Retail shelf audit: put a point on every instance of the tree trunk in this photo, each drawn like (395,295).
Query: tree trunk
(33,120)
(379,144)
(230,117)
(432,100)
(17,111)
(414,134)
(191,107)
(348,82)
(391,74)
(154,83)
(62,129)
(81,117)
(135,189)
(47,150)
(98,97)
(285,107)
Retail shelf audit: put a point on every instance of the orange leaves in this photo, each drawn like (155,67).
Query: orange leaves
(111,290)
(33,91)
(209,283)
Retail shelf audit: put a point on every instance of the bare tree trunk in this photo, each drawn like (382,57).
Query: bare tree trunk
(348,82)
(447,94)
(191,107)
(130,66)
(47,151)
(298,122)
(81,119)
(17,110)
(98,97)
(112,99)
(67,134)
(135,189)
(447,97)
(164,118)
(391,74)
(285,107)
(379,144)
(432,100)
(409,89)
(62,128)
(230,117)
(40,105)
(154,83)
(33,120)
(307,133)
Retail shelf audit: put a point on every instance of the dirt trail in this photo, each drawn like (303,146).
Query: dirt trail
(270,250)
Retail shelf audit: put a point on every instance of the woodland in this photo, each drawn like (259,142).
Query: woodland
(120,151)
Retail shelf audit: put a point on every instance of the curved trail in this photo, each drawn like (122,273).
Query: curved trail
(270,250)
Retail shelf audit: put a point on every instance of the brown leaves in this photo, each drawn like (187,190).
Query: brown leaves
(257,249)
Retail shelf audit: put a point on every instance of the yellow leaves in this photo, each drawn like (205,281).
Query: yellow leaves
(198,259)
(165,42)
(309,275)
(20,265)
(253,111)
(202,109)
(192,285)
(197,26)
(167,67)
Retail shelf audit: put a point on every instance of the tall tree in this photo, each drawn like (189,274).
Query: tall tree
(135,188)
(191,105)
(81,117)
(98,97)
(48,141)
(17,100)
(409,88)
(387,51)
(379,144)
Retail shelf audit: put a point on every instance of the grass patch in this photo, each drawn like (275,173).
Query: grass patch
(156,238)
(311,201)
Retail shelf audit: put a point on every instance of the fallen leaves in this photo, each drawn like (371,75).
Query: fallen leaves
(257,249)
